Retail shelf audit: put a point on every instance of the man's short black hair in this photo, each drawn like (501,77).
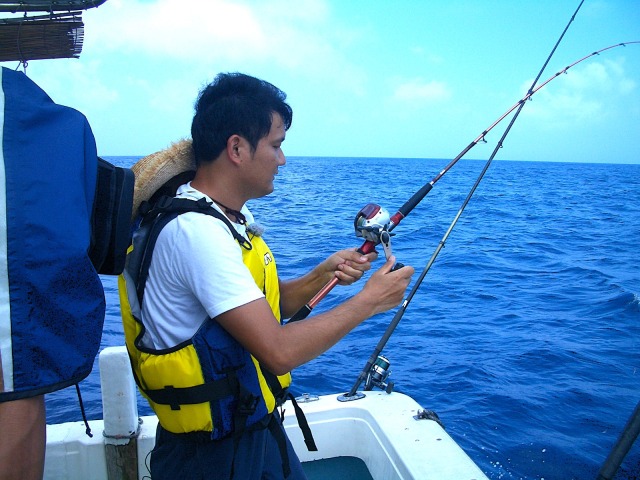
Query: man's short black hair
(235,104)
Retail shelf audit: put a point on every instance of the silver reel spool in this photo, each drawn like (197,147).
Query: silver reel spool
(371,221)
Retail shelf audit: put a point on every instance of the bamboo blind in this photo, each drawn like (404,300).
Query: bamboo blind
(45,37)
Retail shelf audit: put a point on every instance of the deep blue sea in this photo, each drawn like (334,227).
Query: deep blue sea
(524,335)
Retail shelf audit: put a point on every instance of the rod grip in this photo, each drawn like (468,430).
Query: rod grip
(306,310)
(415,199)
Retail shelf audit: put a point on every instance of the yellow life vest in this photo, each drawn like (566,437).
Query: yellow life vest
(210,382)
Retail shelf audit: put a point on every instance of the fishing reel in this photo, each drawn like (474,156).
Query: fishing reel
(378,375)
(372,224)
(371,221)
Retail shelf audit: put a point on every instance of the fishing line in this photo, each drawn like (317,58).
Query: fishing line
(369,246)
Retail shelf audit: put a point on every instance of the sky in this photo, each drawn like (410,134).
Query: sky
(366,78)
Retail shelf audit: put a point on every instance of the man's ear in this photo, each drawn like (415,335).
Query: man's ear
(236,148)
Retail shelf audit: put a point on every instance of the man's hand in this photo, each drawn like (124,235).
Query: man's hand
(386,287)
(347,266)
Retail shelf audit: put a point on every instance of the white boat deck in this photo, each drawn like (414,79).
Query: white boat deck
(379,429)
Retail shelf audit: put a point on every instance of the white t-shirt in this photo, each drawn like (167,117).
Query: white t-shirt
(196,273)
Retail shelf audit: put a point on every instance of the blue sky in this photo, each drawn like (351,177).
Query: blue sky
(365,78)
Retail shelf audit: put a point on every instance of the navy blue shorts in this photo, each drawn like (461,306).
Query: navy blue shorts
(256,457)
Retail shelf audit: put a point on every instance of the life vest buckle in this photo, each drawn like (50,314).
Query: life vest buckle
(174,404)
(247,405)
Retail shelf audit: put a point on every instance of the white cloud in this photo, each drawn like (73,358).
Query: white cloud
(585,92)
(178,29)
(208,30)
(421,91)
(298,37)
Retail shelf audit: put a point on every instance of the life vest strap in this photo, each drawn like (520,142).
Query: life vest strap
(304,425)
(279,435)
(162,212)
(281,395)
(183,205)
(206,392)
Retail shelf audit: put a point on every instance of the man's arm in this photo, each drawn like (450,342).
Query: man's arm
(347,265)
(282,348)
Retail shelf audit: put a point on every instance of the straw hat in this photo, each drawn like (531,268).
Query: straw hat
(162,173)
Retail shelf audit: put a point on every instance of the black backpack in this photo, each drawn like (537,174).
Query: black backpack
(111,227)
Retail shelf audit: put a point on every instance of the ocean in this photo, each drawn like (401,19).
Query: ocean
(524,336)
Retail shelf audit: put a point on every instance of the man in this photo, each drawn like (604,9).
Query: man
(212,296)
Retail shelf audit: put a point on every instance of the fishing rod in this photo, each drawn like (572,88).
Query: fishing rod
(380,364)
(367,222)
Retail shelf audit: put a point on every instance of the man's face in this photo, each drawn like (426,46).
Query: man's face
(267,157)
